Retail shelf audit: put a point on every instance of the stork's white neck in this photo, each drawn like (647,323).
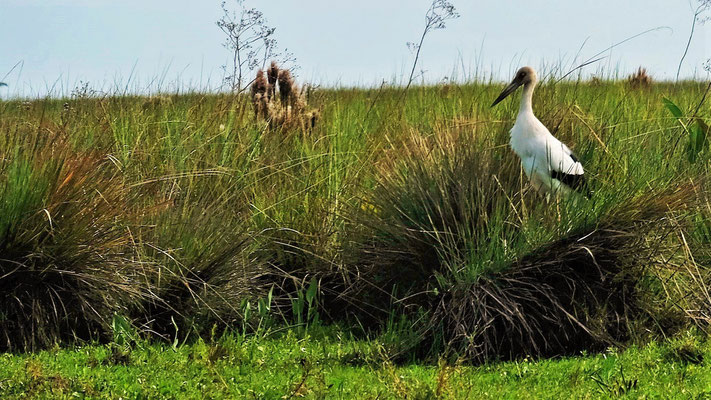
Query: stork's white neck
(527,98)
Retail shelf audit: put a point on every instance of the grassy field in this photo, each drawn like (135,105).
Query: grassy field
(147,222)
(330,364)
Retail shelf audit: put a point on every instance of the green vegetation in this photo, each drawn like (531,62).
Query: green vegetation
(157,223)
(331,364)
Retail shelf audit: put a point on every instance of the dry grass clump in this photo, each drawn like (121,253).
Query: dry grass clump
(445,230)
(689,279)
(205,250)
(288,91)
(584,291)
(67,257)
(204,289)
(287,110)
(435,204)
(260,90)
(639,79)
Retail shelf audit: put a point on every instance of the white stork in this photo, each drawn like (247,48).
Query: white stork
(549,164)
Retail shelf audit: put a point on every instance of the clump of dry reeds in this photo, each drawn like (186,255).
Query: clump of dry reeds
(432,202)
(68,261)
(582,291)
(431,240)
(287,87)
(278,99)
(260,95)
(639,79)
(205,289)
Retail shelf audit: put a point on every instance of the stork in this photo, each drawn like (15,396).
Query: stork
(550,165)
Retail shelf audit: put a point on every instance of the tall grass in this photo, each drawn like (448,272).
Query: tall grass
(396,206)
(67,257)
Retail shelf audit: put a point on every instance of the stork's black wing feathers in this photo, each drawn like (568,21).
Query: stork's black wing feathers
(575,182)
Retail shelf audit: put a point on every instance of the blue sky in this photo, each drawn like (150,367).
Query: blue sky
(160,44)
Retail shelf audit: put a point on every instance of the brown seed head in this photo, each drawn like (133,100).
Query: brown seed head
(260,84)
(273,73)
(286,86)
(640,79)
(272,76)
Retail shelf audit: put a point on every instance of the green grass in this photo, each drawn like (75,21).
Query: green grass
(403,216)
(330,364)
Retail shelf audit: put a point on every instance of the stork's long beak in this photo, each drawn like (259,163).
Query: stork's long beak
(509,89)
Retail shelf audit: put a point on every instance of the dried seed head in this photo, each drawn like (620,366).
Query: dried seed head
(272,76)
(273,73)
(640,79)
(286,86)
(260,84)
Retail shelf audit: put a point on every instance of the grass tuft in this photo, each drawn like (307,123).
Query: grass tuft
(67,260)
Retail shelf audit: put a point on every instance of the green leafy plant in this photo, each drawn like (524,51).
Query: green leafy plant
(613,384)
(264,308)
(263,314)
(305,305)
(695,127)
(125,334)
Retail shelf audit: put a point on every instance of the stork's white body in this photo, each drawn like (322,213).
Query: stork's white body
(542,155)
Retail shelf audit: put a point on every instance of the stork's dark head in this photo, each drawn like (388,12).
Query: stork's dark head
(524,77)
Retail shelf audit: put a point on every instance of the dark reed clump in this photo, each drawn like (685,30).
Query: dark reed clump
(272,76)
(260,97)
(639,79)
(68,259)
(439,234)
(581,292)
(287,88)
(290,110)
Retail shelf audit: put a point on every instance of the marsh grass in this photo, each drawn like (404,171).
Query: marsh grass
(396,205)
(67,259)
